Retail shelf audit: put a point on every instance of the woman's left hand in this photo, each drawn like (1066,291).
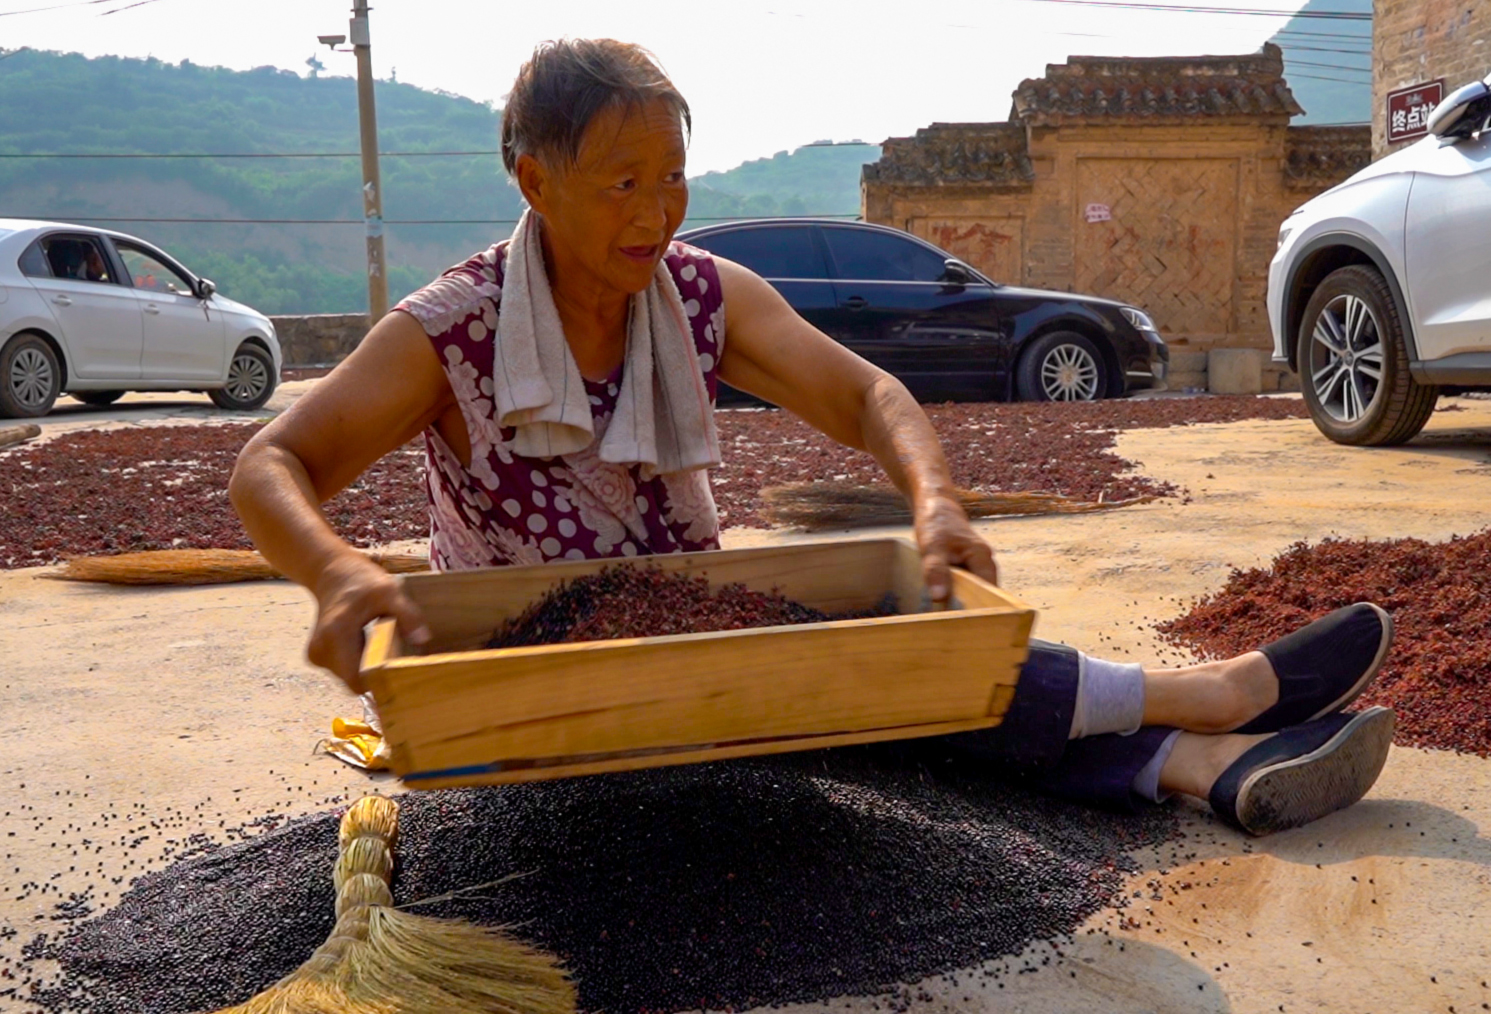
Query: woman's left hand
(947,540)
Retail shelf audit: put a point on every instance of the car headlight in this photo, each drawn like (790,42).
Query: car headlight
(1138,318)
(1284,235)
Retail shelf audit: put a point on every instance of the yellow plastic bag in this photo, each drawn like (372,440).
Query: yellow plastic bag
(358,742)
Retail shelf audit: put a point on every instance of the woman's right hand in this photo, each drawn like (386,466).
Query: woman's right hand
(351,592)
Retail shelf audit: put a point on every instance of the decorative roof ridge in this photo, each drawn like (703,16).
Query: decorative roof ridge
(1267,62)
(1087,88)
(1316,156)
(987,154)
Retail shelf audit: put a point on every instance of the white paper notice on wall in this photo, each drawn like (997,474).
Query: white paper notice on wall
(1099,213)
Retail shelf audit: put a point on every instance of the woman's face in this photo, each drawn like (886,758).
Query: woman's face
(613,213)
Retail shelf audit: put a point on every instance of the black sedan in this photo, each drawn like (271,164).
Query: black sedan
(946,331)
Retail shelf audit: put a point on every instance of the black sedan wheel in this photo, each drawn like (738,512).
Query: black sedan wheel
(30,377)
(251,380)
(1061,366)
(1353,363)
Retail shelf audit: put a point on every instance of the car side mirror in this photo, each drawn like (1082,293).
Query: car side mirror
(205,288)
(1463,112)
(955,272)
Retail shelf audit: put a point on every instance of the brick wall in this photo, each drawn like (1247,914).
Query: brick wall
(1416,41)
(322,339)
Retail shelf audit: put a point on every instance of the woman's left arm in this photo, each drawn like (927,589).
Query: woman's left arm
(773,353)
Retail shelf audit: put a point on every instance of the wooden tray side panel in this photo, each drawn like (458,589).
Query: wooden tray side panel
(567,700)
(906,575)
(969,591)
(976,593)
(464,608)
(728,752)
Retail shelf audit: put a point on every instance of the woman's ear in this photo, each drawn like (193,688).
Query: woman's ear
(534,181)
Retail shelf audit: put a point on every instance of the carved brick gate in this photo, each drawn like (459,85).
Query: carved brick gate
(1169,244)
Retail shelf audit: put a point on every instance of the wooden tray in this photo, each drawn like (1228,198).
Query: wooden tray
(461,714)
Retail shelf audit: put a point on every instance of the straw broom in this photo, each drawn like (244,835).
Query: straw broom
(199,566)
(12,435)
(379,960)
(815,506)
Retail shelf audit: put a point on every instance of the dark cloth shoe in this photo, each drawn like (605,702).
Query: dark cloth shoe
(1325,666)
(1305,772)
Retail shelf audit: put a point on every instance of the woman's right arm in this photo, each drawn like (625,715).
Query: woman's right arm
(377,400)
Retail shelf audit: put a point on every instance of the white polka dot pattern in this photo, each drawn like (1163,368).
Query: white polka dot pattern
(570,508)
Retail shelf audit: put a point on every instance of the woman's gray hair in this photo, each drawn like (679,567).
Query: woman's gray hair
(566,84)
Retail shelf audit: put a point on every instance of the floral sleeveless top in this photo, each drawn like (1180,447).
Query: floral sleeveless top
(508,509)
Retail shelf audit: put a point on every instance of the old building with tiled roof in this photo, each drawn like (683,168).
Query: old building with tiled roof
(1158,181)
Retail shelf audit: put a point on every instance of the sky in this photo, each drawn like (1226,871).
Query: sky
(761,76)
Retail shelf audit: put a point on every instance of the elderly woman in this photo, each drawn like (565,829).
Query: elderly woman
(564,383)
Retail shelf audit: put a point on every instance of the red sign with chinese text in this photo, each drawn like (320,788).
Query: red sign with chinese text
(1408,110)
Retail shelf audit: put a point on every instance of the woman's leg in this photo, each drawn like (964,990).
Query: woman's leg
(1065,701)
(1211,697)
(1172,724)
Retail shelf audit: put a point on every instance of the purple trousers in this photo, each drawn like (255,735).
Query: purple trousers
(1033,741)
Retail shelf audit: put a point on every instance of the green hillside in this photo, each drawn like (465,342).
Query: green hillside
(816,179)
(57,103)
(68,104)
(1329,63)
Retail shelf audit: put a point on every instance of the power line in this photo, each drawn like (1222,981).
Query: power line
(390,221)
(1324,35)
(1322,77)
(282,154)
(78,3)
(1325,49)
(1188,9)
(1327,66)
(54,7)
(126,7)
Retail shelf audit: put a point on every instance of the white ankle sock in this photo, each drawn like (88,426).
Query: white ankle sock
(1110,697)
(1146,784)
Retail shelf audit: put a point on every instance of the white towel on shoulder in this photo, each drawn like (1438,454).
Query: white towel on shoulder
(663,419)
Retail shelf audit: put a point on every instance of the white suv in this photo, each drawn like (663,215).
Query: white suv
(1380,294)
(97,313)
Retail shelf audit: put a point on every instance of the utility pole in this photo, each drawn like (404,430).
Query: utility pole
(372,189)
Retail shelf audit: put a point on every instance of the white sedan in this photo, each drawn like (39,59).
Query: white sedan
(95,313)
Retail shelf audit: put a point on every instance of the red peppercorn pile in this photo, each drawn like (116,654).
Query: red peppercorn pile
(624,601)
(1014,447)
(164,487)
(1438,674)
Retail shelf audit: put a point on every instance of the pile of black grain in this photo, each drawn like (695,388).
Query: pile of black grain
(719,886)
(624,601)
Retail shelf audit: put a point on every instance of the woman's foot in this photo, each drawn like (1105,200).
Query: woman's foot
(1261,784)
(1315,671)
(1197,761)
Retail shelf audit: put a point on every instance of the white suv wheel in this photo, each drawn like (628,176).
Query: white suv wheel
(1345,361)
(1354,362)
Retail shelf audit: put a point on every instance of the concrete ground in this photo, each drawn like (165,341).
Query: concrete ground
(195,709)
(157,408)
